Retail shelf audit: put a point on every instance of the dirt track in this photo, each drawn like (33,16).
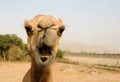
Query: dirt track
(14,72)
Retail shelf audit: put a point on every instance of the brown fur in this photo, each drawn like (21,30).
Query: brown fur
(37,72)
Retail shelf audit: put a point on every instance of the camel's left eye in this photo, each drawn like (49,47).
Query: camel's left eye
(61,29)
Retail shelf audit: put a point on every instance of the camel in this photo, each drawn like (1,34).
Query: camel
(43,33)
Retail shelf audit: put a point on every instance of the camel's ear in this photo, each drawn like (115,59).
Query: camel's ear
(26,21)
(60,20)
(27,27)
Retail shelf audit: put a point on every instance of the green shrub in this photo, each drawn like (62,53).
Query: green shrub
(60,54)
(14,53)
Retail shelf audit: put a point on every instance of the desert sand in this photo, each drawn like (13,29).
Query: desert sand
(14,72)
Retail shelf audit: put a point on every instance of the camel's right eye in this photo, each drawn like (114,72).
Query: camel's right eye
(29,30)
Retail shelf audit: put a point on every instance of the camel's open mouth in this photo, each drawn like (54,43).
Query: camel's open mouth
(45,52)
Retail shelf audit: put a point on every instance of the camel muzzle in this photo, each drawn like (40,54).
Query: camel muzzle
(45,52)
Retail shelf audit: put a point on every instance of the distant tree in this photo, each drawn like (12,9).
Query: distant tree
(14,53)
(60,54)
(14,40)
(6,41)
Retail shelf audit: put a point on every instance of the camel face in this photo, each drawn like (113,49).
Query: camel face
(43,37)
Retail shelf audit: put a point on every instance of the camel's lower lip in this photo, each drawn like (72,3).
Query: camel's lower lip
(44,58)
(44,52)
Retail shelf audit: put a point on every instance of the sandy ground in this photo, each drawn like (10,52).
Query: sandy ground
(14,72)
(95,60)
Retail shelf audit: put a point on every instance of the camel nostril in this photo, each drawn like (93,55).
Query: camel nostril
(43,36)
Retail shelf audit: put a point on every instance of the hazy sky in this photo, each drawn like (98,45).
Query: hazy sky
(87,21)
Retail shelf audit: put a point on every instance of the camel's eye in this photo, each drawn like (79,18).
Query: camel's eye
(29,30)
(61,29)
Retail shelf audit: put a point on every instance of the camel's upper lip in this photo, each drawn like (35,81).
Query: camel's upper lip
(45,52)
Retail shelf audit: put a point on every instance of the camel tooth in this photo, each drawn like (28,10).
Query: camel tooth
(44,56)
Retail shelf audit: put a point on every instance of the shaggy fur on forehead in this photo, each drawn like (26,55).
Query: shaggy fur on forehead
(44,21)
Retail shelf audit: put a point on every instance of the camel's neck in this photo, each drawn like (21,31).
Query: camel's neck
(40,74)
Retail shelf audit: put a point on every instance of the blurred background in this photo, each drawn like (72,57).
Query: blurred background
(89,48)
(91,25)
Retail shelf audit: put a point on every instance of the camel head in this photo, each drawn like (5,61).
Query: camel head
(43,38)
